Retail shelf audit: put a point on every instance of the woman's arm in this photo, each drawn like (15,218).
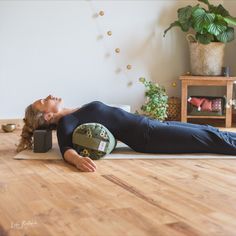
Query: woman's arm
(65,129)
(82,163)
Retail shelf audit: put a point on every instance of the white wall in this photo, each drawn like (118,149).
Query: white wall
(230,59)
(56,47)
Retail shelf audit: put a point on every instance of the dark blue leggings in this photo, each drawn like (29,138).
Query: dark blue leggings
(181,137)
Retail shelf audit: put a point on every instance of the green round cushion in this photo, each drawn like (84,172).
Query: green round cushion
(93,140)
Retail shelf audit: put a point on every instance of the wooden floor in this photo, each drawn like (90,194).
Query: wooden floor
(123,197)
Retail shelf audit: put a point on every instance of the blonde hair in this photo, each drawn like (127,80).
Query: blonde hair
(33,120)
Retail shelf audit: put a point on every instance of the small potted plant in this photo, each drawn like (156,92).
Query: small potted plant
(212,30)
(156,103)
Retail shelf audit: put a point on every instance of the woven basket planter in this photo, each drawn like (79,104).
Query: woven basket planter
(206,59)
(174,108)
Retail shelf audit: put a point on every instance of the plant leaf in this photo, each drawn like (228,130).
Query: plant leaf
(230,20)
(176,23)
(184,14)
(185,27)
(226,36)
(204,38)
(202,19)
(219,10)
(205,1)
(198,12)
(217,27)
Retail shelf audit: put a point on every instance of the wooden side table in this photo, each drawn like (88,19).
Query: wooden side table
(206,81)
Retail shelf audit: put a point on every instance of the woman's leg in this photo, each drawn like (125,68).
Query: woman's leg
(197,126)
(182,138)
(230,136)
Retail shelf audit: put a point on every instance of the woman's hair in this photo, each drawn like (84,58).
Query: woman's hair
(34,119)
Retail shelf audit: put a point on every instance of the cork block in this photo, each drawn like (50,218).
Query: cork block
(42,141)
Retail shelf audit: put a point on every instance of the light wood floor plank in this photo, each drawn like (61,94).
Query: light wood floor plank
(123,197)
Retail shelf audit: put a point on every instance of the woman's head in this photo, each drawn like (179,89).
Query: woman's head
(47,105)
(38,115)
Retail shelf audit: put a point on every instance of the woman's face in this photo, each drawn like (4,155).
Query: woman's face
(48,104)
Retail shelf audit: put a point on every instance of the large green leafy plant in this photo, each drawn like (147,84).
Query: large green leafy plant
(210,25)
(155,106)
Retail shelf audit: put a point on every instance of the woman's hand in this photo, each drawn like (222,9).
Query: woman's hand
(82,163)
(85,164)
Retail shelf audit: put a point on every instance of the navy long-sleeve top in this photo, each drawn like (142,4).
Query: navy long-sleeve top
(122,124)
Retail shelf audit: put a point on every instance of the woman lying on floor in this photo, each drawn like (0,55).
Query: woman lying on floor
(139,132)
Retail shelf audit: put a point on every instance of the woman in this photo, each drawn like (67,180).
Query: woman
(139,132)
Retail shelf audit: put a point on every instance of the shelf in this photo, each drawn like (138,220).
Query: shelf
(211,117)
(188,80)
(208,78)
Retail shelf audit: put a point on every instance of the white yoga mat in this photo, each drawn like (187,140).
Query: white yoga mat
(122,151)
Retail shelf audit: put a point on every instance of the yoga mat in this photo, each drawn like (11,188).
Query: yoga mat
(122,151)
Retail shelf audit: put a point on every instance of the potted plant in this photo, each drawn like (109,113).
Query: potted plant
(156,103)
(212,28)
